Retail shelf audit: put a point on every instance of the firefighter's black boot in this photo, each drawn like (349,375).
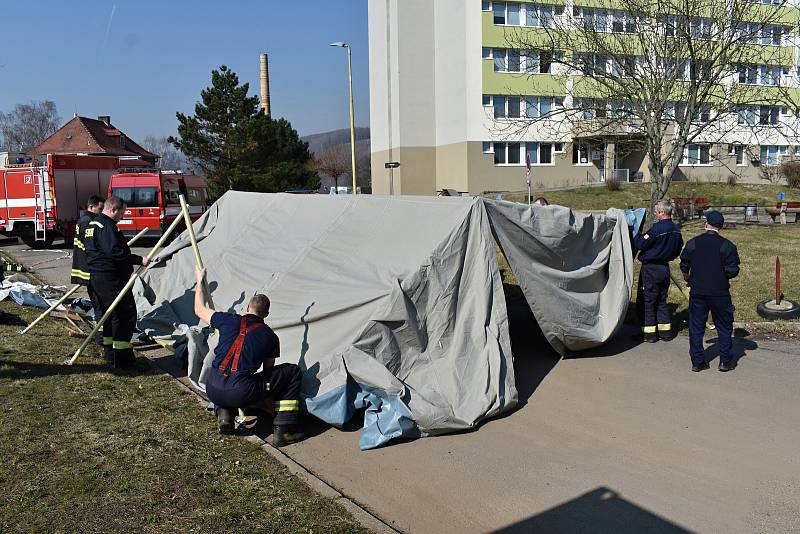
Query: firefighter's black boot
(283,435)
(224,420)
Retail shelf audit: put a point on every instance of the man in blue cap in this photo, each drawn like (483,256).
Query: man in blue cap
(708,262)
(657,247)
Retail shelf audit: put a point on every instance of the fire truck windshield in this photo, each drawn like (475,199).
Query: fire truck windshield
(137,197)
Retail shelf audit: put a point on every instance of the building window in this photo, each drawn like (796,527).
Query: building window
(499,107)
(499,11)
(513,61)
(539,153)
(499,55)
(758,115)
(500,153)
(623,22)
(581,152)
(757,33)
(538,62)
(771,154)
(486,5)
(519,153)
(701,28)
(558,148)
(759,74)
(545,153)
(513,107)
(702,114)
(486,53)
(541,16)
(592,64)
(700,71)
(738,152)
(697,155)
(487,100)
(512,14)
(768,115)
(539,106)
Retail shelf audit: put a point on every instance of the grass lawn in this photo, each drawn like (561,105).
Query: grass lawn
(87,449)
(637,194)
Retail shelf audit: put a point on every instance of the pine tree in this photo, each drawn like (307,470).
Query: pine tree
(238,147)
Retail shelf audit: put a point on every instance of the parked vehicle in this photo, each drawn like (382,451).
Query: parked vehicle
(42,196)
(152,198)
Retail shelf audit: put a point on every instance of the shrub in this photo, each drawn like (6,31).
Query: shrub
(791,171)
(613,184)
(732,178)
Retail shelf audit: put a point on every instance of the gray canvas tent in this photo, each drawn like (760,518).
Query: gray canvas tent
(392,304)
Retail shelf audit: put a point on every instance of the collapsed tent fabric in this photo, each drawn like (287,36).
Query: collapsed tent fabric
(575,270)
(393,304)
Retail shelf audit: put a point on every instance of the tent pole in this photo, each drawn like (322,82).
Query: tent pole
(72,290)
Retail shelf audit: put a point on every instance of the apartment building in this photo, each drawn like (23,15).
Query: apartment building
(458,107)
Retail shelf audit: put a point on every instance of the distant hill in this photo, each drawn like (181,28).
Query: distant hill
(320,141)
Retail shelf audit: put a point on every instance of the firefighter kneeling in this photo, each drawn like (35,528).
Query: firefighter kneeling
(245,345)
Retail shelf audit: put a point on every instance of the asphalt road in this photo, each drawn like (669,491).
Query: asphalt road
(625,439)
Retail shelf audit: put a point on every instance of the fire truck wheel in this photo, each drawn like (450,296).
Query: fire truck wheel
(29,240)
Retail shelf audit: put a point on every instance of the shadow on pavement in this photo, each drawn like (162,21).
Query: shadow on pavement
(739,348)
(601,510)
(534,358)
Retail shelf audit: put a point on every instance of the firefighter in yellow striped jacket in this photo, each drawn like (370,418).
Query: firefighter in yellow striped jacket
(80,269)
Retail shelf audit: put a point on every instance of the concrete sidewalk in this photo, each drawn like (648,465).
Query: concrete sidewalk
(616,442)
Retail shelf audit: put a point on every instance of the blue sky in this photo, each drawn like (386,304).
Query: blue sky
(152,58)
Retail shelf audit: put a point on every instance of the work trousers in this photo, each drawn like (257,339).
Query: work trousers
(280,384)
(651,299)
(722,309)
(98,311)
(118,329)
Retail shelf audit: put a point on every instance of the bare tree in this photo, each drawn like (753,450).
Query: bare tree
(363,168)
(28,124)
(658,74)
(170,157)
(333,163)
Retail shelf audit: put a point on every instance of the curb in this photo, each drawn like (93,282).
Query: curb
(359,513)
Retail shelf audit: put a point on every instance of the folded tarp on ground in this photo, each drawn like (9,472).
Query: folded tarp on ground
(390,304)
(395,304)
(575,270)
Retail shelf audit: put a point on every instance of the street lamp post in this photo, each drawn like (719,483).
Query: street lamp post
(352,111)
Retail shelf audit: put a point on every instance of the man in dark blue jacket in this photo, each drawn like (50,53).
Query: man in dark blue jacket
(657,247)
(708,262)
(111,264)
(247,344)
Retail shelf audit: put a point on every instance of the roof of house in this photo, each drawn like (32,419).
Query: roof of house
(82,135)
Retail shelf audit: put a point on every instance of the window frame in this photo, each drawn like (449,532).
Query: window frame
(701,149)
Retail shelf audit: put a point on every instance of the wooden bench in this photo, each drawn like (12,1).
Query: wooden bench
(689,207)
(781,209)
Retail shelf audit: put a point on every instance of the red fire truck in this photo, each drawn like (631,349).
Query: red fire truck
(152,198)
(42,196)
